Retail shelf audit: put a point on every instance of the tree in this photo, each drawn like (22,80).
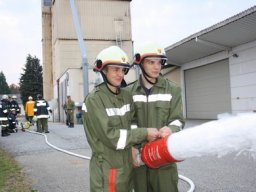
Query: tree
(4,88)
(31,81)
(14,89)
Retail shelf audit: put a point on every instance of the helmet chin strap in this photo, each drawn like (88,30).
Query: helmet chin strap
(108,83)
(146,76)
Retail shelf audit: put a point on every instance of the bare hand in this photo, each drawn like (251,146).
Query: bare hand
(165,131)
(153,134)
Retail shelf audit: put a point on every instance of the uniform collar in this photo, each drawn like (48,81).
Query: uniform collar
(103,87)
(160,83)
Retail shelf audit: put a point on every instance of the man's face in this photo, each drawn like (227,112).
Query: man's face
(115,74)
(152,66)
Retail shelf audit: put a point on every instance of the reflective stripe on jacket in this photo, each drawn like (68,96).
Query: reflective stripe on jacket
(162,107)
(41,109)
(3,110)
(107,121)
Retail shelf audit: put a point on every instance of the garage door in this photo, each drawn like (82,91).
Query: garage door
(208,91)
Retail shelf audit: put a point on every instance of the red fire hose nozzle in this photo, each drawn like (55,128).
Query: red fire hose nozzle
(156,154)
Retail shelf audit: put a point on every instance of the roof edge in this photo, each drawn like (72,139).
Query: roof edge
(213,27)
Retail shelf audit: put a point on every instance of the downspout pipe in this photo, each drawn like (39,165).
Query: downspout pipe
(58,92)
(85,64)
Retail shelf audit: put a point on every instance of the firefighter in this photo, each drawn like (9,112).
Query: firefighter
(12,121)
(29,110)
(42,110)
(69,108)
(158,104)
(107,113)
(14,105)
(4,123)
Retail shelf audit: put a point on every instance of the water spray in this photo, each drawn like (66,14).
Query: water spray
(226,135)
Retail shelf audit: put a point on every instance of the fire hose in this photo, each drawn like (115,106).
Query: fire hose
(150,155)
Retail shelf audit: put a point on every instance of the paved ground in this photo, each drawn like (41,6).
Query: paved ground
(53,171)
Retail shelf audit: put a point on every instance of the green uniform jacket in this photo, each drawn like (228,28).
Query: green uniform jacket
(107,122)
(162,107)
(70,107)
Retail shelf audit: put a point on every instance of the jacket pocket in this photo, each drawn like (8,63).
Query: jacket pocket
(162,112)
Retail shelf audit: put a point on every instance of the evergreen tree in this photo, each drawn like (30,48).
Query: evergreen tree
(31,81)
(4,88)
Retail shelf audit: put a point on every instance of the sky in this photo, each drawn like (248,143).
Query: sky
(162,21)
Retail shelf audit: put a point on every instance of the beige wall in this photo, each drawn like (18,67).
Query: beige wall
(67,56)
(99,19)
(174,74)
(47,53)
(103,23)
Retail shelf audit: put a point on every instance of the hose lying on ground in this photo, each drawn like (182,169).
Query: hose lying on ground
(189,181)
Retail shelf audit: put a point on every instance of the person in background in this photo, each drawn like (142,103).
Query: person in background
(79,115)
(158,103)
(41,110)
(69,108)
(107,114)
(14,106)
(29,109)
(8,102)
(4,111)
(12,121)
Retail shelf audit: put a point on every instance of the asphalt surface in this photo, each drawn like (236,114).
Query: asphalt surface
(50,170)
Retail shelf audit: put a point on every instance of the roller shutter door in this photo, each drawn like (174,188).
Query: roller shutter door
(208,90)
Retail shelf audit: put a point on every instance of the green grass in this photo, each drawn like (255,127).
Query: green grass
(11,177)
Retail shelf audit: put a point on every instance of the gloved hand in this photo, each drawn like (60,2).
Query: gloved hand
(50,111)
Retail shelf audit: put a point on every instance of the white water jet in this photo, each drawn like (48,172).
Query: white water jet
(221,137)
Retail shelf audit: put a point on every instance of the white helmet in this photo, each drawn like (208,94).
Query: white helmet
(14,97)
(30,98)
(149,50)
(111,56)
(4,97)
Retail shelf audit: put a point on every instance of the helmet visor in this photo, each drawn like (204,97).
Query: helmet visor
(159,59)
(125,67)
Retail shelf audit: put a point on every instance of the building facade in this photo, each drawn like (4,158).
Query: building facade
(103,23)
(218,67)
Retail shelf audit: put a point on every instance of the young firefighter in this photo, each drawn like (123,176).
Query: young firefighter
(158,104)
(107,120)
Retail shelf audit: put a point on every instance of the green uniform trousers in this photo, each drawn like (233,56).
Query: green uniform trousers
(70,116)
(105,178)
(163,179)
(42,125)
